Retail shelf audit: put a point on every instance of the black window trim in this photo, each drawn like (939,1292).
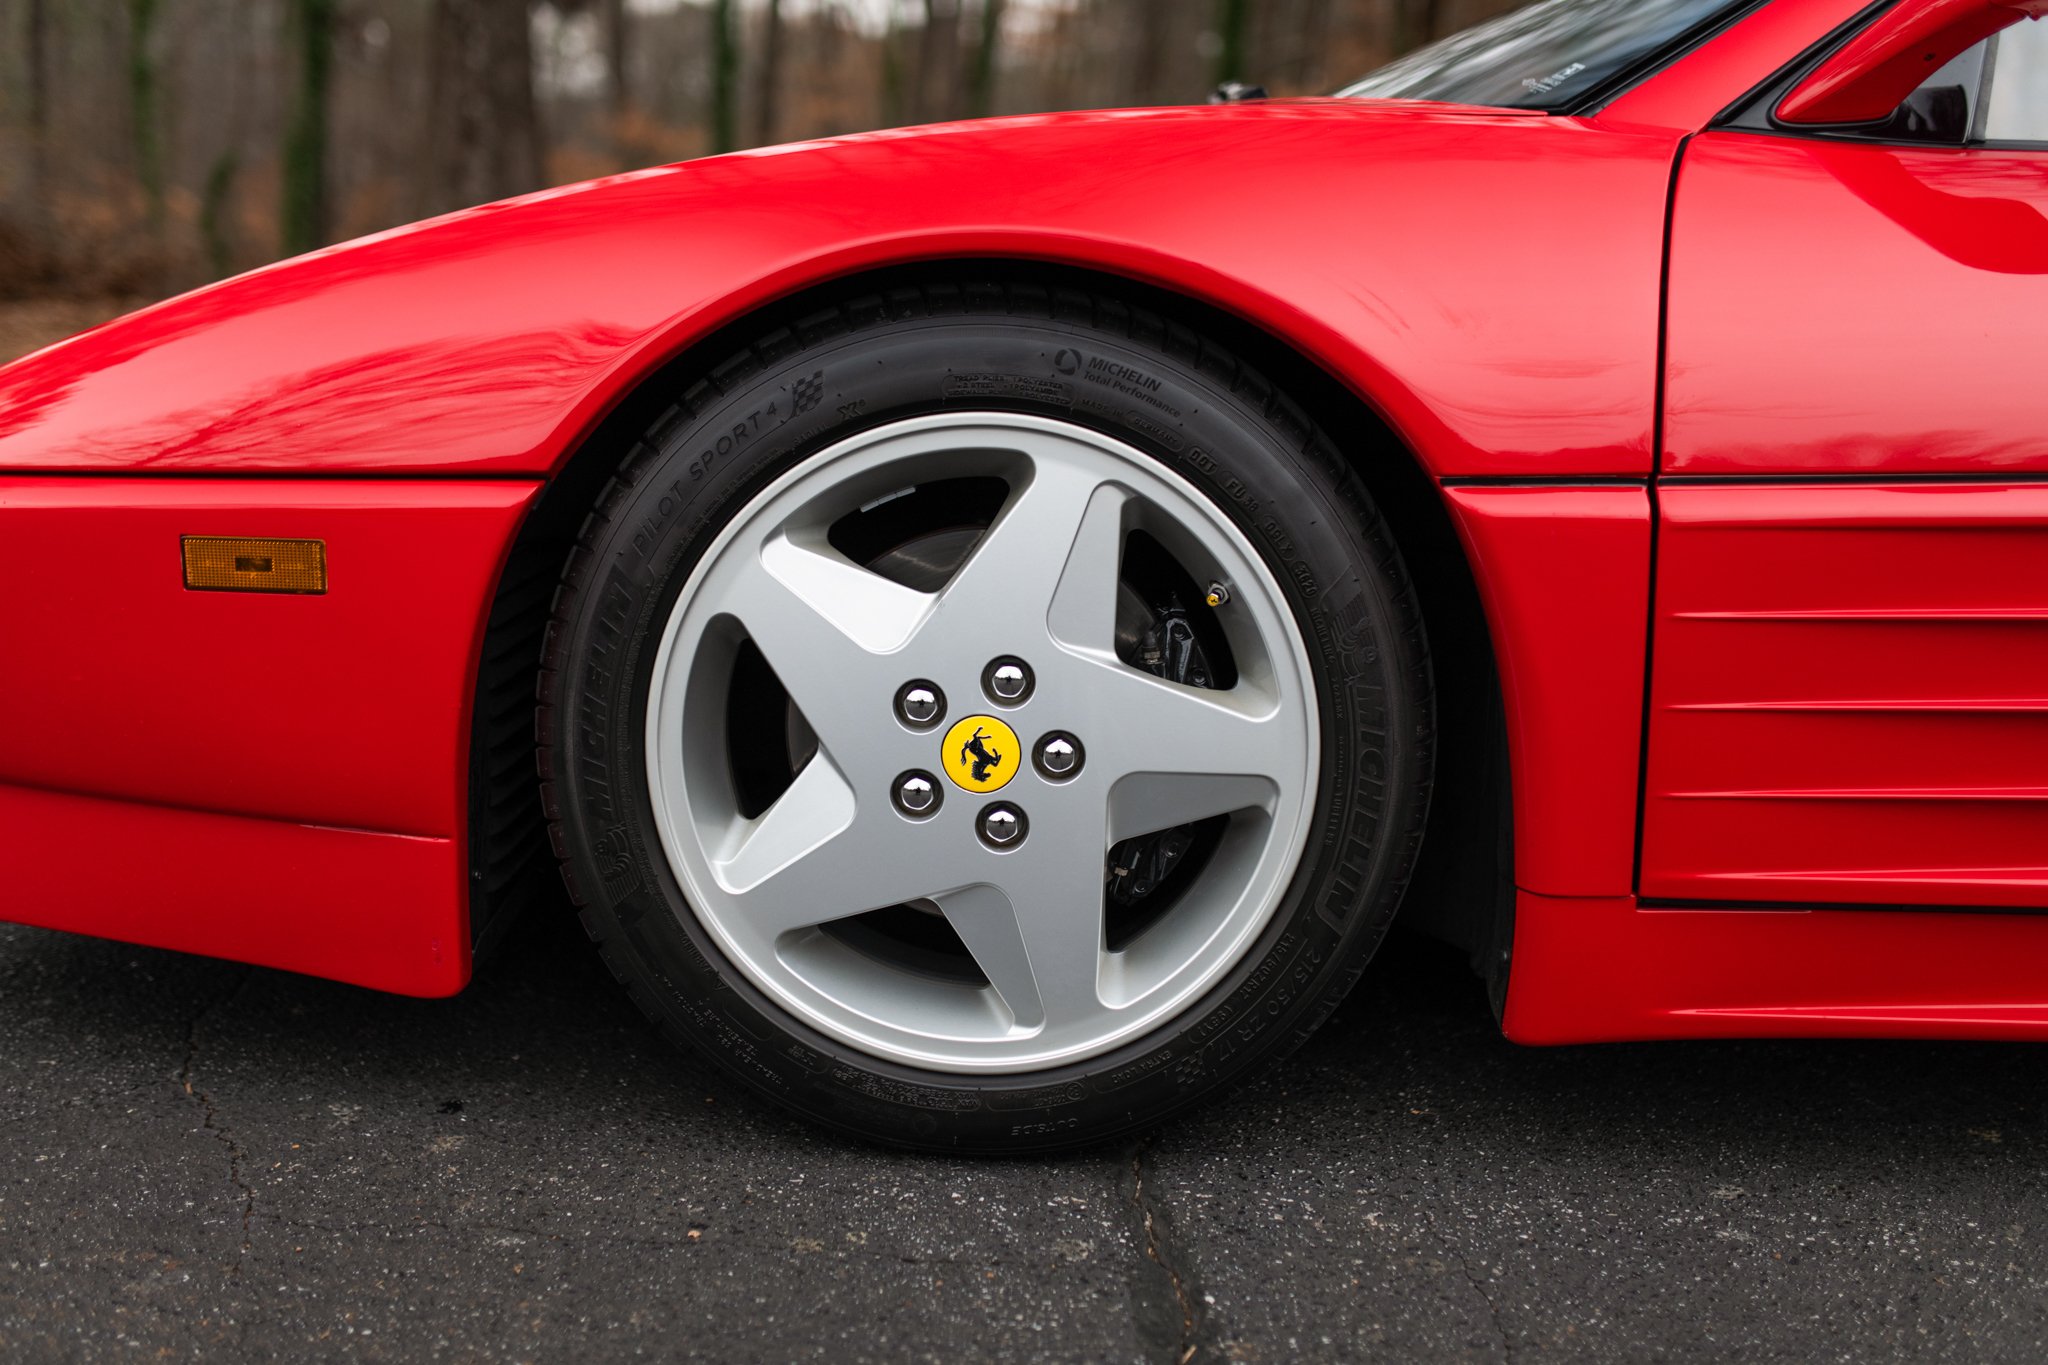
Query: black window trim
(1598,97)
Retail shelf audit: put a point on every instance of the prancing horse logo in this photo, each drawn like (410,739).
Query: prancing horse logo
(983,757)
(977,753)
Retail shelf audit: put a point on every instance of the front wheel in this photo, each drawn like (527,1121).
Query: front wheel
(979,730)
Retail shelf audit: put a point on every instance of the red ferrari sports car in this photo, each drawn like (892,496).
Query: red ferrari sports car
(992,621)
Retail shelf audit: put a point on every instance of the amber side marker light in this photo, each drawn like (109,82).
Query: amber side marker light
(239,564)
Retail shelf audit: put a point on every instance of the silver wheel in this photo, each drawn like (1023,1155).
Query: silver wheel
(1020,641)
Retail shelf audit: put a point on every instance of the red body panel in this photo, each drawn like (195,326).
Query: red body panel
(1565,575)
(1841,308)
(339,709)
(490,341)
(281,780)
(1850,698)
(1596,971)
(258,716)
(1847,703)
(382,910)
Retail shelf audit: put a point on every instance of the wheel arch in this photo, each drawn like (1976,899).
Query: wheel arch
(1459,890)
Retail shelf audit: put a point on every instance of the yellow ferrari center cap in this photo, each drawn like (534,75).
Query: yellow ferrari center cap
(980,753)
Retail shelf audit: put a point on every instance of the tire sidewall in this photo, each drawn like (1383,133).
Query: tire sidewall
(788,398)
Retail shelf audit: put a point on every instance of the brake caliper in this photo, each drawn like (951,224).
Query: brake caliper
(1168,648)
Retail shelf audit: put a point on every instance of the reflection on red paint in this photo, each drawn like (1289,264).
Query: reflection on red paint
(491,341)
(1838,308)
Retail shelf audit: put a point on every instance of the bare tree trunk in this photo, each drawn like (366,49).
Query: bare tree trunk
(142,108)
(1230,27)
(304,216)
(618,85)
(618,93)
(38,59)
(483,131)
(1415,23)
(938,53)
(1148,72)
(895,107)
(766,109)
(725,73)
(214,214)
(981,93)
(1315,31)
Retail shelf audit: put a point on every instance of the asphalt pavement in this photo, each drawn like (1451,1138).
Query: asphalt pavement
(199,1159)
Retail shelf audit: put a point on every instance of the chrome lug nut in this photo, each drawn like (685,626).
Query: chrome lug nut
(1007,680)
(920,704)
(1058,755)
(917,794)
(1002,825)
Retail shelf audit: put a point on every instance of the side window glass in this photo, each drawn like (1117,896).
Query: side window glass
(2016,98)
(1995,92)
(1944,106)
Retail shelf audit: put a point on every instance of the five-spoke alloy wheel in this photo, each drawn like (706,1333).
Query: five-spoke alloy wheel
(990,721)
(1038,596)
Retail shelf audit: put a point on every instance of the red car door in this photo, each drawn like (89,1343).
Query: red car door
(1849,686)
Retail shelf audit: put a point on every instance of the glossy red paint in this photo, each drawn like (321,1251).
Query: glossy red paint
(344,709)
(320,736)
(491,341)
(1783,359)
(381,910)
(1849,696)
(1565,578)
(1604,970)
(281,780)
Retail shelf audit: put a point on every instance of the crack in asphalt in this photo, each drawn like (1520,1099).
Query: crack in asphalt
(1500,1331)
(209,1115)
(1180,1347)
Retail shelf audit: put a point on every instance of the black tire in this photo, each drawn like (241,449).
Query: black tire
(989,343)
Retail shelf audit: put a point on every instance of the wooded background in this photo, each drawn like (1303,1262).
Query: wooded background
(150,145)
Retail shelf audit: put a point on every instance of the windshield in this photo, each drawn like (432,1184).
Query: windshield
(1542,56)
